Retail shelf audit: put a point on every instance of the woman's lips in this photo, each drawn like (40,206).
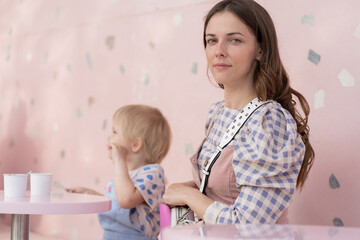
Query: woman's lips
(221,66)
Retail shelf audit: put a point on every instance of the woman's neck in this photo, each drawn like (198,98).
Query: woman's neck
(238,98)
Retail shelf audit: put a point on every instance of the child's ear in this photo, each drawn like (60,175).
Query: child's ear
(136,144)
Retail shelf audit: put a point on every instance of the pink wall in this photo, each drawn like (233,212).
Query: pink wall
(66,66)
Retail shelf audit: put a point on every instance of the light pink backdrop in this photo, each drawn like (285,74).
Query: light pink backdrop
(66,66)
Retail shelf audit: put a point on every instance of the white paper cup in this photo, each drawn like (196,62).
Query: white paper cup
(40,183)
(15,185)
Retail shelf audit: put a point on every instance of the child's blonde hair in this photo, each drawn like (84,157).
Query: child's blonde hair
(149,125)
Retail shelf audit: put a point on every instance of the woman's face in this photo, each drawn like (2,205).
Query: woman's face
(231,50)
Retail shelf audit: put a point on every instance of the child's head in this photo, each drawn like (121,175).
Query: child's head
(148,124)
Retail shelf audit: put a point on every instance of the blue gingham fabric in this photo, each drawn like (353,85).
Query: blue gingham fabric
(265,231)
(268,153)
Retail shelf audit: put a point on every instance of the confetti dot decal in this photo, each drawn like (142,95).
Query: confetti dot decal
(88,60)
(104,124)
(91,101)
(12,143)
(314,57)
(29,57)
(97,181)
(333,182)
(34,134)
(110,42)
(357,32)
(16,103)
(122,69)
(145,79)
(177,19)
(194,68)
(79,112)
(308,19)
(62,153)
(45,57)
(338,222)
(346,79)
(189,149)
(58,12)
(152,45)
(8,53)
(319,101)
(55,126)
(69,68)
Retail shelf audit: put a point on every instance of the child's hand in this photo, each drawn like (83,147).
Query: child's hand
(78,190)
(118,152)
(83,190)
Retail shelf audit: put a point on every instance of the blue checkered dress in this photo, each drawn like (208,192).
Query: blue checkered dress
(268,153)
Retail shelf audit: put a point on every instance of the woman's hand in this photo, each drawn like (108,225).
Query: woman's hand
(180,194)
(175,194)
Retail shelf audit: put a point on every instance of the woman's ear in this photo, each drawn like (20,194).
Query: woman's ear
(259,55)
(136,144)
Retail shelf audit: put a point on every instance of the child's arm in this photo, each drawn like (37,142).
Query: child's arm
(126,193)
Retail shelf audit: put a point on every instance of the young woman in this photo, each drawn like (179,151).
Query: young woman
(254,179)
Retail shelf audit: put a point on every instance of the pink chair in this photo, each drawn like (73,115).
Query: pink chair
(165,216)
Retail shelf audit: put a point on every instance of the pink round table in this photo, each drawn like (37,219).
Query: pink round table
(56,203)
(264,231)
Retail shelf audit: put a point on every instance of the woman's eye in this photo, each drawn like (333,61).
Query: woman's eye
(211,41)
(235,40)
(114,132)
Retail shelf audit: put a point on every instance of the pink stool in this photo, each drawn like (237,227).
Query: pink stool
(165,216)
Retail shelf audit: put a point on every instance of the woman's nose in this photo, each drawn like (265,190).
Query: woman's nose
(220,50)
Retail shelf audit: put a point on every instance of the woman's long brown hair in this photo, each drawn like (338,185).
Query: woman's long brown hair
(271,80)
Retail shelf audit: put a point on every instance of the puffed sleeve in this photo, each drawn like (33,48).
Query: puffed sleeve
(150,183)
(267,158)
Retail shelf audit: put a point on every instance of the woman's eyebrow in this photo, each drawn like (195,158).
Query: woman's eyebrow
(228,34)
(210,35)
(234,33)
